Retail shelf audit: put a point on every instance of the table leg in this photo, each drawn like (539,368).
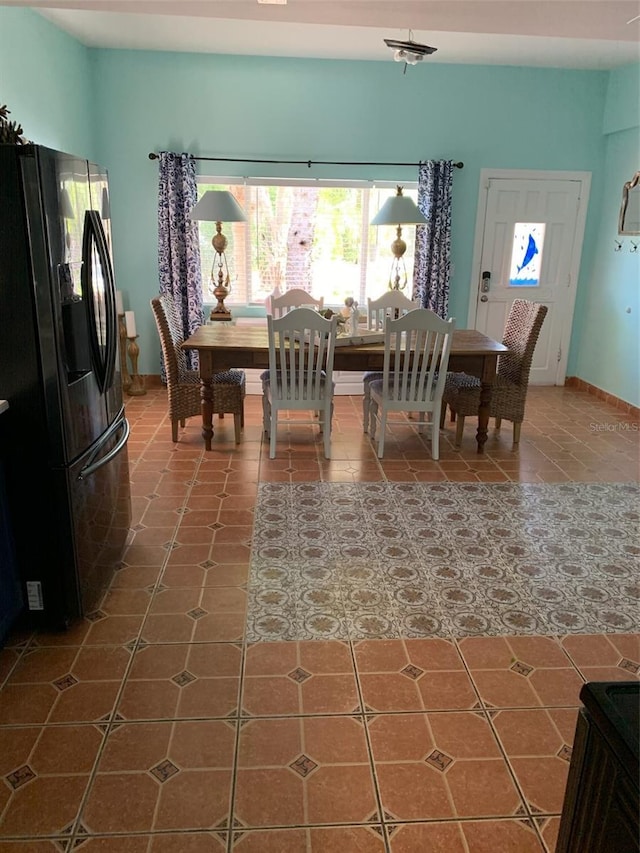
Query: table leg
(483,415)
(206,376)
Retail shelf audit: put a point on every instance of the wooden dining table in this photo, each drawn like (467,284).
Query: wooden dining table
(222,346)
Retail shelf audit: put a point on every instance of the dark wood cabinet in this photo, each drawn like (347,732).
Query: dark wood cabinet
(601,804)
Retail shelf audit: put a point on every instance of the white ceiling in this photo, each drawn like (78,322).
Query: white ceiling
(597,34)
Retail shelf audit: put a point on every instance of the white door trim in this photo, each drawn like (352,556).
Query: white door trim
(532,175)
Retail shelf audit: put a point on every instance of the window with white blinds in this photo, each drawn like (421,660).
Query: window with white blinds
(313,235)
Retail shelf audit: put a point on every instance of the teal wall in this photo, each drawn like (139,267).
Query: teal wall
(46,82)
(131,103)
(606,351)
(266,108)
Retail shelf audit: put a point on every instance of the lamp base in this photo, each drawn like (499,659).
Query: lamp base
(220,315)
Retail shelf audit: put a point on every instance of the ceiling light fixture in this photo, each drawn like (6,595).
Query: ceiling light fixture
(409,52)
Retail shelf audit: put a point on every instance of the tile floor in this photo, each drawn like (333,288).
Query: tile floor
(153,726)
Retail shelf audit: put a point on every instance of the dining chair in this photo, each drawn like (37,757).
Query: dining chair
(301,347)
(392,304)
(282,303)
(416,357)
(509,390)
(183,385)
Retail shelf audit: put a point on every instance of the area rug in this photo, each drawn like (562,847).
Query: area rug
(387,560)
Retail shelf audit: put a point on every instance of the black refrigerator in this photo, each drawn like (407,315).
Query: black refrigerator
(65,433)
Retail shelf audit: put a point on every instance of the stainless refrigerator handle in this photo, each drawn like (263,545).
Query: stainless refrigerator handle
(93,466)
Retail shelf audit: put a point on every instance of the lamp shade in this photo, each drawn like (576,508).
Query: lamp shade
(218,206)
(398,210)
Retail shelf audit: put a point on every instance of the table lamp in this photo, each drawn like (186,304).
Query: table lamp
(398,210)
(219,206)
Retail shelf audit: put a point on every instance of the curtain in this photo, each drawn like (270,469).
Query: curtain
(432,268)
(178,243)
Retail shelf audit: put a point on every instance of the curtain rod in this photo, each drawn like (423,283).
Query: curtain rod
(309,163)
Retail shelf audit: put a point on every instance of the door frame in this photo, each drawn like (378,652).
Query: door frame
(566,321)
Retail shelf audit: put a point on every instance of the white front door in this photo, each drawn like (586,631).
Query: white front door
(528,243)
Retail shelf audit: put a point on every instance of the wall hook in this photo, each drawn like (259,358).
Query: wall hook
(618,245)
(634,246)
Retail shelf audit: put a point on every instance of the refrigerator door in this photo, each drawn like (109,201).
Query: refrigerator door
(73,267)
(101,201)
(101,512)
(99,293)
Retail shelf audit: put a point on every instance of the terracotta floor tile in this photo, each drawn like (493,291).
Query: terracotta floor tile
(413,791)
(507,836)
(272,841)
(329,694)
(220,627)
(486,652)
(556,686)
(482,788)
(444,691)
(269,797)
(114,631)
(81,702)
(400,738)
(66,749)
(355,839)
(538,651)
(271,695)
(529,732)
(335,740)
(341,794)
(121,802)
(433,654)
(565,720)
(591,650)
(43,665)
(608,673)
(265,743)
(549,828)
(463,735)
(434,837)
(380,655)
(325,657)
(44,806)
(197,842)
(32,846)
(224,599)
(123,601)
(543,781)
(21,704)
(390,692)
(168,628)
(504,689)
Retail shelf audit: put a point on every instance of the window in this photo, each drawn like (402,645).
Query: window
(313,235)
(526,255)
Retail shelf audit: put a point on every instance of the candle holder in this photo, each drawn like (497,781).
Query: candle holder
(136,387)
(124,372)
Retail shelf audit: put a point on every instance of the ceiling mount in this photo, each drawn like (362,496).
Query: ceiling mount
(409,52)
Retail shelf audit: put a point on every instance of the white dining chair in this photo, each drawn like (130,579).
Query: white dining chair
(416,357)
(301,348)
(392,304)
(281,304)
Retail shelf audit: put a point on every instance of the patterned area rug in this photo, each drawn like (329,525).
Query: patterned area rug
(364,560)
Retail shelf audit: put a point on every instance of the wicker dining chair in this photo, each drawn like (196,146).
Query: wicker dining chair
(509,391)
(183,385)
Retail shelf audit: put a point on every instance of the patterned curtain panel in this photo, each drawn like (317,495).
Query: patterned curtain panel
(178,246)
(431,272)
